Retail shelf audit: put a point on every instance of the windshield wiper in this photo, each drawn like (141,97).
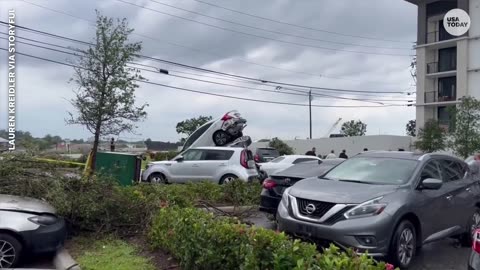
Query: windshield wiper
(326,178)
(356,181)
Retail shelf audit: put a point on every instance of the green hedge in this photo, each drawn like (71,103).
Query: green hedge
(100,204)
(199,240)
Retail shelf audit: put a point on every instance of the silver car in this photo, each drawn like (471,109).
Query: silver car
(385,203)
(27,226)
(216,164)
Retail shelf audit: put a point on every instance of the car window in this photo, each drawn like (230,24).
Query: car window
(452,169)
(431,170)
(195,135)
(194,154)
(277,160)
(300,160)
(374,170)
(217,155)
(267,152)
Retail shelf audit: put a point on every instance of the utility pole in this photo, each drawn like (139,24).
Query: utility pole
(310,110)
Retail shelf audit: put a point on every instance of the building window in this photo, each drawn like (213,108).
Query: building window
(443,117)
(442,33)
(447,59)
(447,89)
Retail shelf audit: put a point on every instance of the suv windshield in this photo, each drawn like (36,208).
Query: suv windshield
(374,170)
(195,135)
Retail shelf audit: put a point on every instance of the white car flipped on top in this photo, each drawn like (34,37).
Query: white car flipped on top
(284,162)
(217,164)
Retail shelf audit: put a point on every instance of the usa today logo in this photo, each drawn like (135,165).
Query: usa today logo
(456,22)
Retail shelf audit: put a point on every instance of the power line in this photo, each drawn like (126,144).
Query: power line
(304,94)
(259,36)
(299,26)
(209,52)
(221,95)
(279,32)
(224,73)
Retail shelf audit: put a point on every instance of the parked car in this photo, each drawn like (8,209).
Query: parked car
(217,132)
(474,260)
(265,154)
(386,203)
(27,226)
(274,186)
(284,162)
(216,164)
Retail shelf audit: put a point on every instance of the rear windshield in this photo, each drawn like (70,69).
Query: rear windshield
(374,170)
(268,152)
(278,159)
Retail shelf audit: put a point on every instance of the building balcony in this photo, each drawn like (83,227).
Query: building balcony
(437,36)
(435,97)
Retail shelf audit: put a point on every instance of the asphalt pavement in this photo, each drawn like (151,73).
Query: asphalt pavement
(442,255)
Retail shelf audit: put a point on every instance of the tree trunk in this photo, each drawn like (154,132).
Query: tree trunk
(95,147)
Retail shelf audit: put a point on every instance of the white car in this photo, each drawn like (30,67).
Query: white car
(217,164)
(284,162)
(217,132)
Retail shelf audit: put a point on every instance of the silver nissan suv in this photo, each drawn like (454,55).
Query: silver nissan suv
(385,203)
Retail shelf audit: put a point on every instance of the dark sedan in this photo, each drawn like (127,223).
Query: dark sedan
(274,186)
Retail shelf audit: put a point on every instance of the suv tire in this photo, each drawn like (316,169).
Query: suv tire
(157,178)
(221,138)
(473,224)
(11,250)
(403,245)
(227,178)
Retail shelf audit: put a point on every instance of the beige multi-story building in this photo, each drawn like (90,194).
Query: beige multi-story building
(448,67)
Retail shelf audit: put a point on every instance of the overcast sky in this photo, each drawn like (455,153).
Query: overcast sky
(44,88)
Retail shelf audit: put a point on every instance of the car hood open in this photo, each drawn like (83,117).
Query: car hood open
(338,191)
(24,204)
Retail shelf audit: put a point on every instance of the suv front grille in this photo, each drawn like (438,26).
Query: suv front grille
(313,208)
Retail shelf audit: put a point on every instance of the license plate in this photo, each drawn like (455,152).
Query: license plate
(306,229)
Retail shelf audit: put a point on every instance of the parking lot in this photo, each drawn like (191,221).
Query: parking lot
(443,255)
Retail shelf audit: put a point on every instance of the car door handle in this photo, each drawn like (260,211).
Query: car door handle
(468,189)
(222,165)
(449,197)
(195,165)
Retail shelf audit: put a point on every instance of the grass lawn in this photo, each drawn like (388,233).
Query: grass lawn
(107,254)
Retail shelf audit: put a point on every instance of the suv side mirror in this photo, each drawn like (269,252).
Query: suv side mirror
(179,159)
(431,183)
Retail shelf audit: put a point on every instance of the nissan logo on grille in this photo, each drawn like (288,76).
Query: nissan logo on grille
(310,208)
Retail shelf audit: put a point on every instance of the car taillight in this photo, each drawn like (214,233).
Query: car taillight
(269,184)
(244,159)
(476,241)
(227,117)
(256,158)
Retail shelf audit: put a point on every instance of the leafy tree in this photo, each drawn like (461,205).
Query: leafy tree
(188,126)
(105,100)
(282,147)
(465,136)
(431,137)
(353,128)
(413,69)
(410,127)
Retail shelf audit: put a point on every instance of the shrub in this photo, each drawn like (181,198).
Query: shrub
(100,204)
(165,155)
(202,241)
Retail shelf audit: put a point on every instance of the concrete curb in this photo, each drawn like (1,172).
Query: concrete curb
(63,261)
(232,209)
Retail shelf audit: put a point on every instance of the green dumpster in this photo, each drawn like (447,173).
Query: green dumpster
(122,166)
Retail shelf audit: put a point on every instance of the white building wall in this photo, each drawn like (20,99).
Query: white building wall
(353,145)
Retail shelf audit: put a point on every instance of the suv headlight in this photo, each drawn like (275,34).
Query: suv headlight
(285,199)
(44,220)
(367,209)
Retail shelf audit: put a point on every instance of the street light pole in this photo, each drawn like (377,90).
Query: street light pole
(310,110)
